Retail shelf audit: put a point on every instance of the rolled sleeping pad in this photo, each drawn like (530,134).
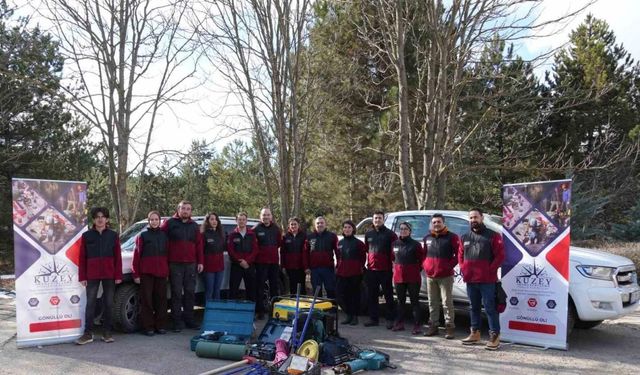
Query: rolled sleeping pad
(230,352)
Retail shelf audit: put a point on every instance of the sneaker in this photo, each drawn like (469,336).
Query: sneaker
(85,339)
(417,329)
(354,321)
(494,341)
(432,330)
(161,331)
(473,338)
(106,337)
(371,323)
(399,326)
(149,333)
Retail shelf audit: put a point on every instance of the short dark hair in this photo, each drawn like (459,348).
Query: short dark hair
(379,212)
(478,210)
(350,223)
(241,213)
(441,216)
(99,210)
(406,223)
(184,203)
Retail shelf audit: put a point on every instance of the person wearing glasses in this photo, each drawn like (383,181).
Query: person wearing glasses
(441,247)
(406,276)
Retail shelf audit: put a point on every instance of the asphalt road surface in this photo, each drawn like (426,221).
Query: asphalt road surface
(611,348)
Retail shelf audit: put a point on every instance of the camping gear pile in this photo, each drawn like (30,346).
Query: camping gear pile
(300,337)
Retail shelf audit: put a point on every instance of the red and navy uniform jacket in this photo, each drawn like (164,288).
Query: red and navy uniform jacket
(320,249)
(240,247)
(442,253)
(100,255)
(185,240)
(269,241)
(351,256)
(409,257)
(481,255)
(150,255)
(214,246)
(379,248)
(292,250)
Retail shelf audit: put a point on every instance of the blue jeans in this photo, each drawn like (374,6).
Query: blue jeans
(212,285)
(483,294)
(324,276)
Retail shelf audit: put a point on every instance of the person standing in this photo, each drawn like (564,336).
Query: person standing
(100,264)
(380,257)
(321,247)
(480,257)
(406,276)
(242,247)
(185,261)
(351,256)
(269,238)
(214,246)
(442,247)
(291,258)
(150,268)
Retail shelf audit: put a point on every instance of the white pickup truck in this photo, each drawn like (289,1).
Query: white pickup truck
(601,285)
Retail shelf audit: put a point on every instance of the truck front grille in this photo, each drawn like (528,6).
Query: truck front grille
(627,277)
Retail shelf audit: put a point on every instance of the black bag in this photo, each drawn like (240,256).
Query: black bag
(501,298)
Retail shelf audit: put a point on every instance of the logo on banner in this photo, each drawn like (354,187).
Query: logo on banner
(54,301)
(532,302)
(551,304)
(33,302)
(532,276)
(54,273)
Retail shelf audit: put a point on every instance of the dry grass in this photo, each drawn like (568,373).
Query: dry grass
(630,250)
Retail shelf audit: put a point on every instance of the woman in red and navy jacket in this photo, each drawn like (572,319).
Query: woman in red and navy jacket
(406,276)
(100,263)
(351,256)
(214,246)
(150,268)
(291,256)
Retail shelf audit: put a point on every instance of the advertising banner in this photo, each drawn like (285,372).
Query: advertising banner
(535,274)
(49,218)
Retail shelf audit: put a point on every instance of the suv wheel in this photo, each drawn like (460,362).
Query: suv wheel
(126,308)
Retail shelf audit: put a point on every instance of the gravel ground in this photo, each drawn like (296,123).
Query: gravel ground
(611,348)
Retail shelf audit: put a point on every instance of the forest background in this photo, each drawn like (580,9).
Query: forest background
(341,108)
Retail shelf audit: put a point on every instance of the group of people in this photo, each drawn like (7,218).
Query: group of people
(180,249)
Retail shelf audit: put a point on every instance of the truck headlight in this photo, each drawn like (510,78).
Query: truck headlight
(597,272)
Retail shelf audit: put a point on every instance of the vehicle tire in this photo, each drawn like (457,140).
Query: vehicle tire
(126,308)
(581,324)
(572,317)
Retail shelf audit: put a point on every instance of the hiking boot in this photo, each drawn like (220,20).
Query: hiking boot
(149,333)
(354,321)
(473,338)
(417,329)
(347,320)
(106,337)
(399,326)
(371,323)
(192,325)
(432,330)
(450,332)
(389,324)
(494,341)
(85,339)
(161,331)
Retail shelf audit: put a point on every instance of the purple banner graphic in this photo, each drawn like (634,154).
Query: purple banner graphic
(48,220)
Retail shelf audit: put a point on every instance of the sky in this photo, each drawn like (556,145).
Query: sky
(212,113)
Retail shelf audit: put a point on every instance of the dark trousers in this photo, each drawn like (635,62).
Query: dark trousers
(297,277)
(266,272)
(153,302)
(324,276)
(349,289)
(237,274)
(376,280)
(414,294)
(108,289)
(183,289)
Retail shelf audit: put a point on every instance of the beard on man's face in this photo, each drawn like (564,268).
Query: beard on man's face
(475,225)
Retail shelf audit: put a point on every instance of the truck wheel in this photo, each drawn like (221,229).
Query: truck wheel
(572,317)
(126,308)
(581,324)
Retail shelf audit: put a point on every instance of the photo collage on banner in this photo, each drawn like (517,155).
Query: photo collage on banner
(535,274)
(49,218)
